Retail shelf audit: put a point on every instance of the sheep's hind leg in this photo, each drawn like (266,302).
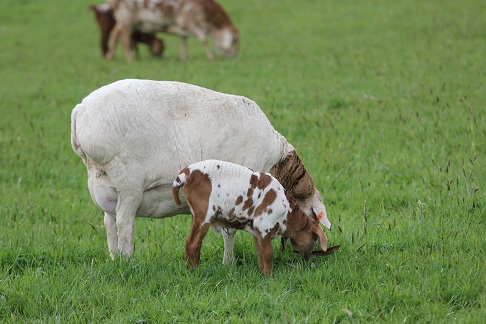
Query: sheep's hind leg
(111,234)
(125,222)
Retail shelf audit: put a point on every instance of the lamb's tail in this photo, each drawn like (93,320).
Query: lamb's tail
(178,182)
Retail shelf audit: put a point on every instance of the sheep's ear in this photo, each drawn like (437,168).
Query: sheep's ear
(319,209)
(329,251)
(322,236)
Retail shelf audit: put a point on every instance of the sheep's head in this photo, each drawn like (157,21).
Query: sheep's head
(315,208)
(293,176)
(226,41)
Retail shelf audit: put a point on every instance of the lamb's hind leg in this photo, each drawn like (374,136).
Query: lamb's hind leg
(229,245)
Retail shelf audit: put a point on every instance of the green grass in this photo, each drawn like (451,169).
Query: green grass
(386,104)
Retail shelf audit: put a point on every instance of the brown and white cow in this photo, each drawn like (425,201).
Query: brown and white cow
(106,22)
(227,195)
(183,18)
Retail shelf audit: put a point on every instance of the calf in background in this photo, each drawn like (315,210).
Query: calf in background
(106,22)
(200,18)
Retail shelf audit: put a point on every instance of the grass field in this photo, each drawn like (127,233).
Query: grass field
(385,102)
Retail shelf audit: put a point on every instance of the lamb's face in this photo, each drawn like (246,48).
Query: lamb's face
(303,234)
(304,244)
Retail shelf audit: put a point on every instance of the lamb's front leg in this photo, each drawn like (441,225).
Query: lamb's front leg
(265,253)
(259,254)
(194,242)
(229,245)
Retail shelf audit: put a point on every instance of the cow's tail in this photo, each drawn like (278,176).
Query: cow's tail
(178,182)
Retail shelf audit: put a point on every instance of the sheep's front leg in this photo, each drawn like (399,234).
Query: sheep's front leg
(265,253)
(111,234)
(126,38)
(199,33)
(194,242)
(114,36)
(183,48)
(229,245)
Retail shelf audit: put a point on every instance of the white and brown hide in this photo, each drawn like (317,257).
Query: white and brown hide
(227,195)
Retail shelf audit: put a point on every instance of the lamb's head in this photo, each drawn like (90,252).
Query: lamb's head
(156,45)
(293,176)
(304,232)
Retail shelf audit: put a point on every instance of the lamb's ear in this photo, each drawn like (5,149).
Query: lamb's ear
(322,236)
(329,251)
(319,209)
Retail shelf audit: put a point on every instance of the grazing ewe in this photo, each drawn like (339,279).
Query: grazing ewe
(106,23)
(183,18)
(227,195)
(134,136)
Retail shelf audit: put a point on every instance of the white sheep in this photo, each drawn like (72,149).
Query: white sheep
(227,195)
(134,136)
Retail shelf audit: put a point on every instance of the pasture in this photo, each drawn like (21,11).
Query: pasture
(386,105)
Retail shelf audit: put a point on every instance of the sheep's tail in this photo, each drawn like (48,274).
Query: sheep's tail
(76,113)
(178,182)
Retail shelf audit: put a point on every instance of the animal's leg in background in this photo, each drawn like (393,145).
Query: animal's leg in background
(105,38)
(126,38)
(183,48)
(114,35)
(209,53)
(229,244)
(111,235)
(194,241)
(202,38)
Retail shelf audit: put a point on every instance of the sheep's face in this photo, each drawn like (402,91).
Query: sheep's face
(226,41)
